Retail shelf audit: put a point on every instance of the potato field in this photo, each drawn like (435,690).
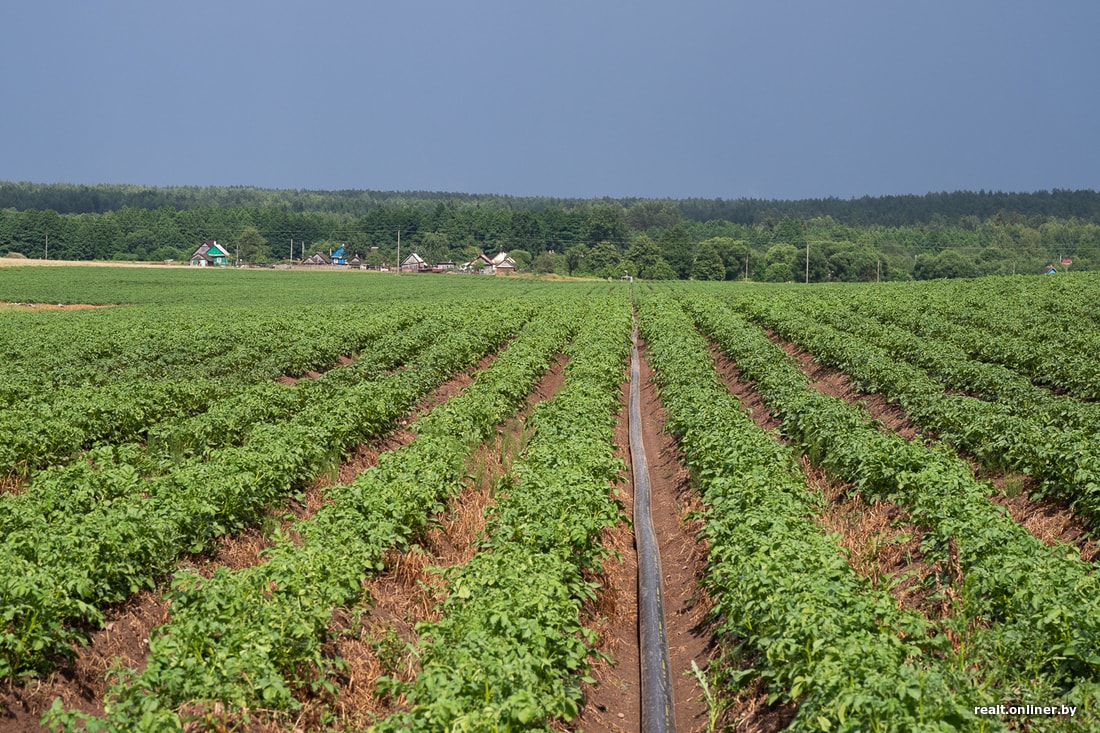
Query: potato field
(249,500)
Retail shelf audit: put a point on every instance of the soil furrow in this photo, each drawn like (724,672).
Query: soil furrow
(880,542)
(1049,520)
(81,682)
(379,638)
(613,704)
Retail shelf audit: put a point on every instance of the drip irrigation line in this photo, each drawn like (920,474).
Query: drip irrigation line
(657,705)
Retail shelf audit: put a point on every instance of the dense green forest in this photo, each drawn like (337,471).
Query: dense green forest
(960,234)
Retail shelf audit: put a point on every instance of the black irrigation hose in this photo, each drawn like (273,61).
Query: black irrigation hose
(657,708)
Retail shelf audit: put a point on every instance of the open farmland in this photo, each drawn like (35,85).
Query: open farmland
(259,500)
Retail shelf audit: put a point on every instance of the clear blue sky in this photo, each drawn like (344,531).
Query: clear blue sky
(570,98)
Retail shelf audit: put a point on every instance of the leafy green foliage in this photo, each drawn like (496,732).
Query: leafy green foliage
(510,651)
(1036,605)
(819,635)
(253,637)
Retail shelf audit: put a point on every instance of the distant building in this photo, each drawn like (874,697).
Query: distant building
(318,258)
(337,257)
(209,253)
(414,263)
(501,264)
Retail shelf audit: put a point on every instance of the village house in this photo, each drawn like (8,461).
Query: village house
(317,258)
(501,264)
(414,263)
(209,253)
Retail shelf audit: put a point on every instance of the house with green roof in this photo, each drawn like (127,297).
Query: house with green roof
(210,253)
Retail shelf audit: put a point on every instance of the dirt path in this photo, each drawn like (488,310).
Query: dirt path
(614,703)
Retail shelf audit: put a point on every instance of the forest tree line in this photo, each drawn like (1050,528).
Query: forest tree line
(963,234)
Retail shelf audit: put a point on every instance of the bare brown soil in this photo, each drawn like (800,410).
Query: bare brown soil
(341,360)
(82,683)
(746,393)
(1047,519)
(835,383)
(883,545)
(614,703)
(12,483)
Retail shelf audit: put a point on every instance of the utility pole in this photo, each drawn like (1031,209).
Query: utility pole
(292,250)
(47,245)
(746,266)
(807,262)
(398,250)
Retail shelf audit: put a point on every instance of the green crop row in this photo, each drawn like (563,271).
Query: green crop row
(1034,609)
(815,632)
(56,357)
(112,472)
(947,362)
(58,422)
(253,637)
(1066,461)
(58,569)
(992,321)
(510,652)
(228,421)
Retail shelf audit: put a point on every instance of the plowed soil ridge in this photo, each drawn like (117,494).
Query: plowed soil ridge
(81,683)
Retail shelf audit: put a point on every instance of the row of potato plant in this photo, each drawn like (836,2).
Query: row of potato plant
(59,569)
(45,431)
(229,421)
(54,358)
(801,618)
(1066,461)
(950,363)
(111,472)
(1033,611)
(1005,306)
(510,651)
(253,637)
(1056,354)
